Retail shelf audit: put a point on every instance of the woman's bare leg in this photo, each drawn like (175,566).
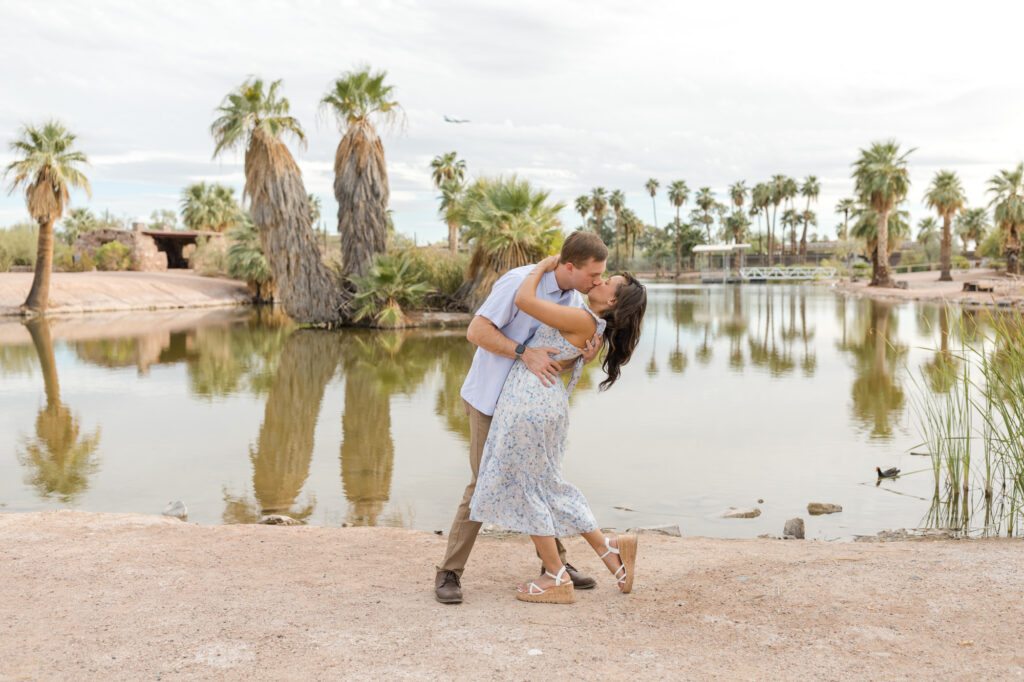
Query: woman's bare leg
(595,539)
(547,550)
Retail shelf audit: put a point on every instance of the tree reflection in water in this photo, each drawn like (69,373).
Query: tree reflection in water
(878,398)
(284,448)
(60,458)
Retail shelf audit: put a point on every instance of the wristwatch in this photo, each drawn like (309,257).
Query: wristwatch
(520,349)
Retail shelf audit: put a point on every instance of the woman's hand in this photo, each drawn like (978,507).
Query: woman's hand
(548,264)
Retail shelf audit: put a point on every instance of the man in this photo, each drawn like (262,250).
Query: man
(500,331)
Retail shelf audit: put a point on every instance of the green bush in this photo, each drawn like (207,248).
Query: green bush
(18,244)
(66,260)
(113,256)
(437,268)
(389,285)
(959,263)
(991,246)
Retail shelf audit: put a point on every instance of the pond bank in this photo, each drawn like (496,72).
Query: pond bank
(131,596)
(88,292)
(924,286)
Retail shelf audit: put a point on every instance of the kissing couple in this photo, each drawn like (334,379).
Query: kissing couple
(534,326)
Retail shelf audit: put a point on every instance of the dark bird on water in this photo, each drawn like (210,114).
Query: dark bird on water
(888,473)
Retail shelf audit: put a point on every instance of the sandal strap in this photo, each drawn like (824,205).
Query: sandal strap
(611,550)
(558,578)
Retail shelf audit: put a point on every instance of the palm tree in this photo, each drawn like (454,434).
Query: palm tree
(209,207)
(360,173)
(761,199)
(1008,202)
(652,187)
(246,261)
(737,225)
(928,234)
(583,204)
(790,219)
(705,201)
(972,224)
(447,167)
(617,201)
(678,193)
(846,207)
(738,193)
(47,166)
(810,189)
(633,227)
(598,205)
(509,223)
(254,118)
(946,196)
(778,193)
(451,210)
(881,181)
(865,226)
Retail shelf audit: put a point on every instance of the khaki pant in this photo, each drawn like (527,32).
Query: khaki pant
(463,532)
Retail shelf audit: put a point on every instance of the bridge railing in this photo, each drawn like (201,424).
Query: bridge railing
(800,272)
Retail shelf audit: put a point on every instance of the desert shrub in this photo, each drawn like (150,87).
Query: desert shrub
(209,258)
(959,263)
(438,268)
(991,246)
(66,260)
(246,261)
(389,285)
(18,245)
(113,256)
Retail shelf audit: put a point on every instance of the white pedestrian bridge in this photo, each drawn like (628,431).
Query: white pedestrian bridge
(782,273)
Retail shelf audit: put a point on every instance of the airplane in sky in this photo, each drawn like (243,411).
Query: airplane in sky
(455,119)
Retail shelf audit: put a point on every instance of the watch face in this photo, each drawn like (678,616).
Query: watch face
(520,349)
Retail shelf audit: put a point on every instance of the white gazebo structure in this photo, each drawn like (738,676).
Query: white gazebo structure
(715,262)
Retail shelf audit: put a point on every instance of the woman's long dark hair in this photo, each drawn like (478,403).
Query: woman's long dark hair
(622,329)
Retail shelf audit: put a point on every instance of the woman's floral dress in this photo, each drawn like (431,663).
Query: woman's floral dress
(520,485)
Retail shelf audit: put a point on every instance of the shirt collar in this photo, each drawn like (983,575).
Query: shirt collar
(551,284)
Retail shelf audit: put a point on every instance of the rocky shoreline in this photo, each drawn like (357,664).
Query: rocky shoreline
(119,596)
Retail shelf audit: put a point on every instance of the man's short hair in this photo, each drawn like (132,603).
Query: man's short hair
(579,247)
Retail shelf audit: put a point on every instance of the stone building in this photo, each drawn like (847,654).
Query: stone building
(149,250)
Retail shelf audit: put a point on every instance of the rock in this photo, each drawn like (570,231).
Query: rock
(278,520)
(794,528)
(741,513)
(818,508)
(176,509)
(671,529)
(760,501)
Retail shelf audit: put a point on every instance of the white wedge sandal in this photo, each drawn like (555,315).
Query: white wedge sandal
(627,553)
(562,592)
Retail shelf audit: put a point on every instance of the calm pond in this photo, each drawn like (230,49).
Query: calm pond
(735,394)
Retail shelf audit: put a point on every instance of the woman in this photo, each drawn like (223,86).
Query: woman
(520,485)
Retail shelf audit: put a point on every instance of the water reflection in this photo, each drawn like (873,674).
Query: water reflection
(284,448)
(878,397)
(60,457)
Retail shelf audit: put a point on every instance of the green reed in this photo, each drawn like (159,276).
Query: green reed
(979,408)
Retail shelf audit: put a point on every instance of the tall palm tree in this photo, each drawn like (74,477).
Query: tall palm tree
(509,223)
(209,207)
(1008,203)
(617,200)
(583,205)
(882,181)
(254,118)
(705,201)
(946,196)
(790,219)
(678,193)
(928,235)
(633,227)
(652,188)
(972,225)
(360,173)
(810,189)
(778,188)
(738,193)
(447,167)
(846,207)
(47,164)
(737,224)
(598,205)
(865,227)
(761,199)
(451,210)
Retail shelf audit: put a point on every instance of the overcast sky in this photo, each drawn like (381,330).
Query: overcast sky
(569,94)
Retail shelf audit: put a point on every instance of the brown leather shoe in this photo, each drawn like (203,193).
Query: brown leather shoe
(579,581)
(447,587)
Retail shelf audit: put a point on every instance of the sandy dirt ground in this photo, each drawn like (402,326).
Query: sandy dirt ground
(85,292)
(924,286)
(104,596)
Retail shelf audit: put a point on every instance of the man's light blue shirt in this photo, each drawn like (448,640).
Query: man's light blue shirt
(487,375)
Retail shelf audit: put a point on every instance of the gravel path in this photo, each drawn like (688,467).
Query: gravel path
(104,596)
(84,292)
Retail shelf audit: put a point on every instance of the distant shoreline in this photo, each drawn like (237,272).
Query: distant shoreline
(925,287)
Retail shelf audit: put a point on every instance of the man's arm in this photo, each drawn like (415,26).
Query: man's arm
(483,333)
